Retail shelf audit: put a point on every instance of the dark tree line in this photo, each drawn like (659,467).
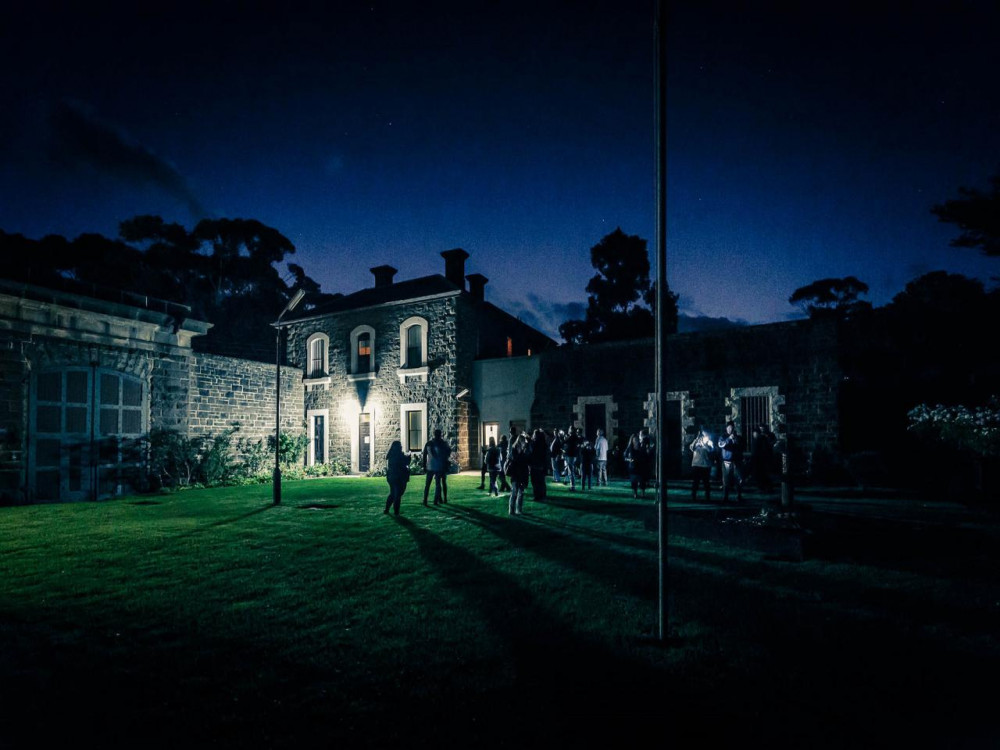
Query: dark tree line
(225,270)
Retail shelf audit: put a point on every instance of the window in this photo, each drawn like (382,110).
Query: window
(413,349)
(362,353)
(317,356)
(413,426)
(414,352)
(510,347)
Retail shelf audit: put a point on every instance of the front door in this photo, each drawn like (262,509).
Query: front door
(364,443)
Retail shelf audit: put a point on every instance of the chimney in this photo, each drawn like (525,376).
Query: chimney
(383,275)
(454,266)
(476,283)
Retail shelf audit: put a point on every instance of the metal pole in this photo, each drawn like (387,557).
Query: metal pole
(277,417)
(660,99)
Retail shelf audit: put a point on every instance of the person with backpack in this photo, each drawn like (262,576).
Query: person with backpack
(494,464)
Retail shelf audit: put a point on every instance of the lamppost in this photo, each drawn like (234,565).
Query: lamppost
(292,304)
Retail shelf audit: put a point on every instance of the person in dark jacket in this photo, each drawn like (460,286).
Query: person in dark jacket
(538,463)
(517,469)
(493,464)
(588,465)
(571,452)
(731,449)
(556,455)
(638,460)
(504,447)
(436,457)
(397,474)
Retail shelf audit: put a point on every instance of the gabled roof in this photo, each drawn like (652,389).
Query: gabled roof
(425,286)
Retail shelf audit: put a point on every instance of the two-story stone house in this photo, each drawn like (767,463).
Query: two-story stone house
(395,362)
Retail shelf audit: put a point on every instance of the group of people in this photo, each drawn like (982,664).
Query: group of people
(436,458)
(512,463)
(573,457)
(728,455)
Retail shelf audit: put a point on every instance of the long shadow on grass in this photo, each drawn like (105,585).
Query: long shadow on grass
(613,508)
(604,536)
(971,615)
(822,677)
(201,529)
(566,689)
(632,573)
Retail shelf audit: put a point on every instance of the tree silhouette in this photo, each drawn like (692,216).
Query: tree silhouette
(831,297)
(225,270)
(977,214)
(615,308)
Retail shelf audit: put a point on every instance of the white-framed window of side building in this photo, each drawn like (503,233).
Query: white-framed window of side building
(413,426)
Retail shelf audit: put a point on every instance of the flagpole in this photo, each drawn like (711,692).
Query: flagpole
(662,439)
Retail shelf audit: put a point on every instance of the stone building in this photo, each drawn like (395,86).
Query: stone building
(395,362)
(86,373)
(785,375)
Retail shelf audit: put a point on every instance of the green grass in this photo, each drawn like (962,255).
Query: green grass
(213,617)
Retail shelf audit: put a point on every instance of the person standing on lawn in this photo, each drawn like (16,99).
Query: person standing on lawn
(538,463)
(731,447)
(397,474)
(601,456)
(493,465)
(504,450)
(517,472)
(437,454)
(701,465)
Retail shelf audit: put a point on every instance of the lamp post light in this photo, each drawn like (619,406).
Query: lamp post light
(292,304)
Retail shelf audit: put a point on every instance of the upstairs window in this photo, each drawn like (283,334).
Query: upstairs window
(414,352)
(317,356)
(413,344)
(363,352)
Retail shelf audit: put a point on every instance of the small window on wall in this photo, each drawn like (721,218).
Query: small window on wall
(317,356)
(413,426)
(362,350)
(413,343)
(510,347)
(414,353)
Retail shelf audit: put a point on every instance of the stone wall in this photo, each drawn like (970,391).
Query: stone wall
(797,362)
(224,390)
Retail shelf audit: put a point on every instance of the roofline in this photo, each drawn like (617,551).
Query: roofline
(406,301)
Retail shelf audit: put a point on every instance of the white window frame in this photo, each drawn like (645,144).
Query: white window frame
(403,436)
(421,371)
(310,414)
(324,375)
(354,375)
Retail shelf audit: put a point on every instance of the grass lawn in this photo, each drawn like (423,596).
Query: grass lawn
(211,617)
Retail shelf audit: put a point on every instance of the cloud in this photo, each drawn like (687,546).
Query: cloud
(542,314)
(80,138)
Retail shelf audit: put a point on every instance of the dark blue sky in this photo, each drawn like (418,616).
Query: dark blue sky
(802,144)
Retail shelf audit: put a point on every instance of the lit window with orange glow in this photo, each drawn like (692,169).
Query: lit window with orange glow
(510,347)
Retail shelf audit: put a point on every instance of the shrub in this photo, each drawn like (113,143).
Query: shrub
(973,430)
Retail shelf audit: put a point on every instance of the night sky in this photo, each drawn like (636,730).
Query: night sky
(802,144)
